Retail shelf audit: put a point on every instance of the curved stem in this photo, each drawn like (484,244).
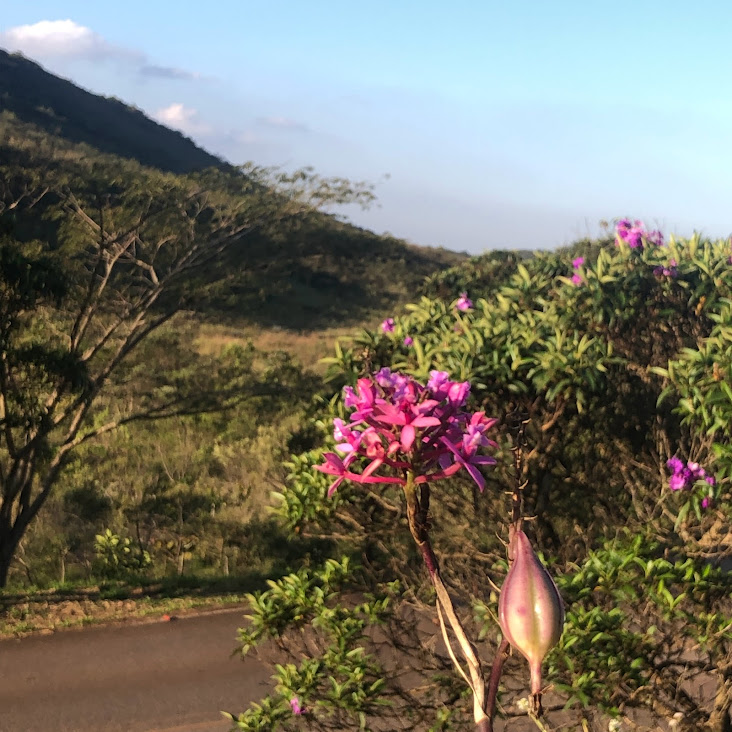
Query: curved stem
(417,510)
(502,654)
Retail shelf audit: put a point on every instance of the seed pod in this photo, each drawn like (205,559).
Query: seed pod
(530,609)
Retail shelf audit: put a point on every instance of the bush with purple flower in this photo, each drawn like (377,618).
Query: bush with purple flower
(464,303)
(684,477)
(388,325)
(577,265)
(573,373)
(634,234)
(670,271)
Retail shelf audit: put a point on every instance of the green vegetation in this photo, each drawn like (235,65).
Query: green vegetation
(130,296)
(159,434)
(619,358)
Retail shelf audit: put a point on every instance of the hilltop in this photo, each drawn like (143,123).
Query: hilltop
(312,274)
(64,110)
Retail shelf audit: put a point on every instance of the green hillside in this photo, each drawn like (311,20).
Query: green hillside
(133,290)
(308,272)
(62,109)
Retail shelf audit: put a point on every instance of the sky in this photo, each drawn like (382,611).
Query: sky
(482,124)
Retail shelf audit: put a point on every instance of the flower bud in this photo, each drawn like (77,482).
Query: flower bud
(530,609)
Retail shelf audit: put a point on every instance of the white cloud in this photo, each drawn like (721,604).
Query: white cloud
(283,123)
(247,137)
(167,72)
(182,118)
(49,38)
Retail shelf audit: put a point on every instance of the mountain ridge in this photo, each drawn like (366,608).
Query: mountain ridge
(308,275)
(63,109)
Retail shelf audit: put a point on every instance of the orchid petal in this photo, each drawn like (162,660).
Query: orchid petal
(371,467)
(407,437)
(334,486)
(476,476)
(426,422)
(483,460)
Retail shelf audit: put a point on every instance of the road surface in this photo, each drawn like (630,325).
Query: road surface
(160,677)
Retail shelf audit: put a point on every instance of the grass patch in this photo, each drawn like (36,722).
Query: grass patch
(74,604)
(45,611)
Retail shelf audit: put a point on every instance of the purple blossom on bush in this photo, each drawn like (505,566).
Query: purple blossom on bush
(297,709)
(388,325)
(464,302)
(670,271)
(577,278)
(674,464)
(408,341)
(679,481)
(405,427)
(683,477)
(655,237)
(633,233)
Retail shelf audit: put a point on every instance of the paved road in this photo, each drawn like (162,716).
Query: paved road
(160,677)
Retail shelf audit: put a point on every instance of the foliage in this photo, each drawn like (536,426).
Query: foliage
(640,623)
(337,689)
(123,249)
(619,358)
(117,557)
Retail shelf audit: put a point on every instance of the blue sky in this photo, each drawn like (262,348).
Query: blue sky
(499,124)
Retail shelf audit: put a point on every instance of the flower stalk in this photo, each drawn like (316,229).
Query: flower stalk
(530,609)
(417,510)
(401,432)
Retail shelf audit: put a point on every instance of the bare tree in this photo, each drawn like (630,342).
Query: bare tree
(125,254)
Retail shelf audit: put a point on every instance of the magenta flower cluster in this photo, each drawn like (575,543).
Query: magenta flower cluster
(684,477)
(634,234)
(669,271)
(577,264)
(398,426)
(297,708)
(464,303)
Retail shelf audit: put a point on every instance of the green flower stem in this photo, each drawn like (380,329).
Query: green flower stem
(417,509)
(517,426)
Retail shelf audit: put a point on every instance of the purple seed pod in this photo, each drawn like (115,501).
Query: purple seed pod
(530,609)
